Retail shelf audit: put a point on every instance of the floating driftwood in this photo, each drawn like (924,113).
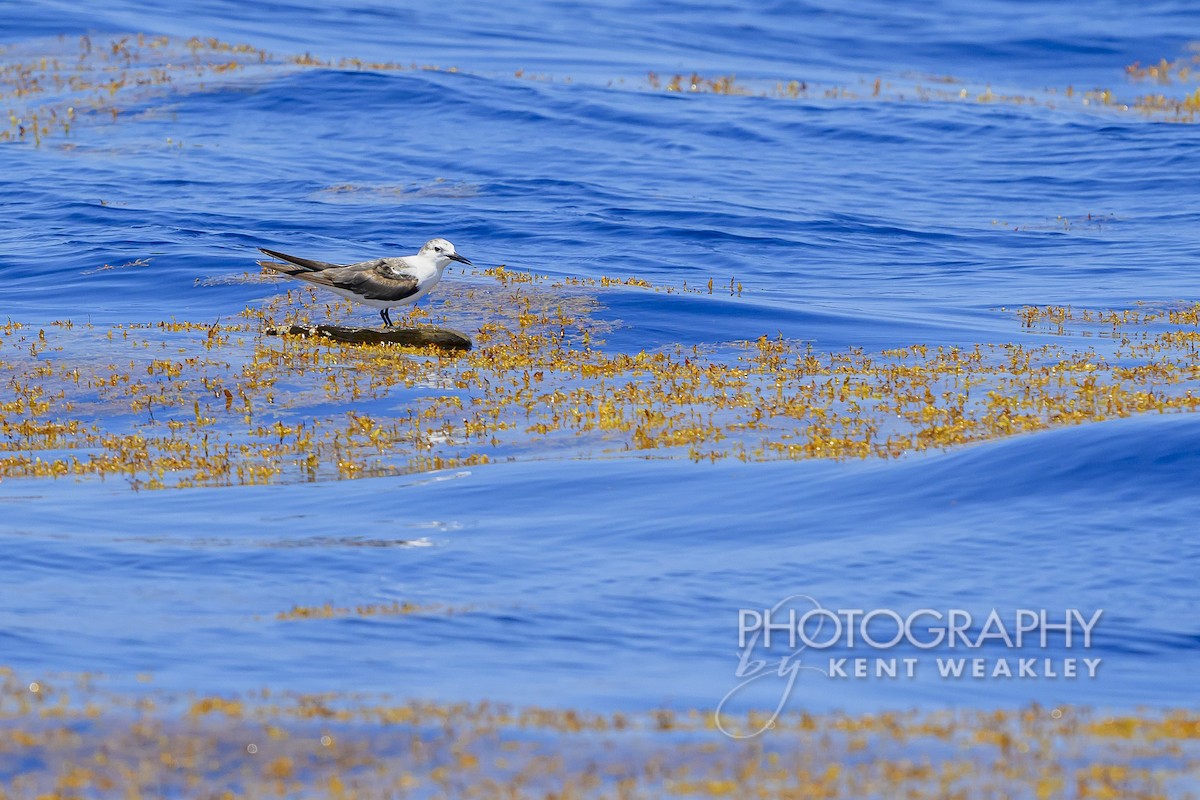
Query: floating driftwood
(412,337)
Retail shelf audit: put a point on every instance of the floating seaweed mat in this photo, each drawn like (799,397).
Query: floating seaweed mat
(444,338)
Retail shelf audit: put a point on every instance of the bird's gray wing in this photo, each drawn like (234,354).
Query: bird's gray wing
(304,263)
(373,280)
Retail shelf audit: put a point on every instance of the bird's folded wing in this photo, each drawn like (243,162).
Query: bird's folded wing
(376,282)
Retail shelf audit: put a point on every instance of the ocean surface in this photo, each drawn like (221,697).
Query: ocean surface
(852,178)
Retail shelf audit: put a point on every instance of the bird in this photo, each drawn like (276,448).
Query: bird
(382,283)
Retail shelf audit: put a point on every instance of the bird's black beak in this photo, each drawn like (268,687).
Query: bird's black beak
(460,259)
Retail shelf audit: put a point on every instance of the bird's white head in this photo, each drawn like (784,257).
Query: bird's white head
(442,252)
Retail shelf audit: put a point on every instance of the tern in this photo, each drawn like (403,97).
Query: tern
(382,283)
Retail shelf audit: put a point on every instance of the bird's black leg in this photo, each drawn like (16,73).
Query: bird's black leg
(387,319)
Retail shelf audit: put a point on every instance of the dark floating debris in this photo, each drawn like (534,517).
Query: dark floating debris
(412,337)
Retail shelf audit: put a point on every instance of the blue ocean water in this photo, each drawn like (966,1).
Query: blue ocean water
(852,220)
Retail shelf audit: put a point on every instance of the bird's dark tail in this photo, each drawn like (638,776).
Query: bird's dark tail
(305,264)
